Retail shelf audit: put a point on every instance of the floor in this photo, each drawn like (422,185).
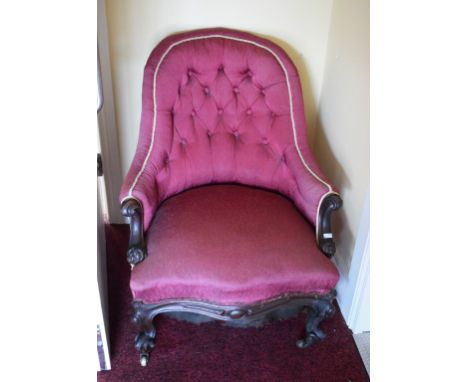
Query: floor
(363,345)
(213,352)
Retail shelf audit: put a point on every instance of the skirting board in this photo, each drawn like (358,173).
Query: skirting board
(353,287)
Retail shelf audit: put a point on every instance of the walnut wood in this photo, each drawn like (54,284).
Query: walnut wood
(136,253)
(320,309)
(318,306)
(331,203)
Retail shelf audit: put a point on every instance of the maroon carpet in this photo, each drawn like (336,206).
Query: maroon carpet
(212,352)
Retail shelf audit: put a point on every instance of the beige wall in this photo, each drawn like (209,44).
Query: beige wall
(341,141)
(135,27)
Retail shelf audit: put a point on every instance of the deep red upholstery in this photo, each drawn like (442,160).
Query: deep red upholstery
(230,244)
(222,106)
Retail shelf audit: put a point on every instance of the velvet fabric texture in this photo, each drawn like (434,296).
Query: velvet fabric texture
(222,106)
(230,244)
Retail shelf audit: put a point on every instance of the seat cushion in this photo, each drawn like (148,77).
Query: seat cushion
(230,244)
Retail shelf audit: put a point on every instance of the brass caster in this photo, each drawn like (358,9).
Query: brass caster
(144,360)
(307,341)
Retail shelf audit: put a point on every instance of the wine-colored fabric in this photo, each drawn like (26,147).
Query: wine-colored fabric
(230,244)
(223,115)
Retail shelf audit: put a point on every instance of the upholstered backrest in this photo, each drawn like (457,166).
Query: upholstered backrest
(222,106)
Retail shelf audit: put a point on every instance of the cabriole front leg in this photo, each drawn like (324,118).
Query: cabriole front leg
(143,317)
(320,309)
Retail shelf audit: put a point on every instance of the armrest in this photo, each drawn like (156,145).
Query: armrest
(317,198)
(330,203)
(142,188)
(136,253)
(139,198)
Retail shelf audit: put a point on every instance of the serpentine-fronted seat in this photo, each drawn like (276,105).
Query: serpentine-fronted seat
(223,186)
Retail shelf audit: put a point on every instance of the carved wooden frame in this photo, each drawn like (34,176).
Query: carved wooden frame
(318,306)
(136,252)
(326,243)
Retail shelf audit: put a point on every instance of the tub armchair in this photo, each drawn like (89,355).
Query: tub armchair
(229,211)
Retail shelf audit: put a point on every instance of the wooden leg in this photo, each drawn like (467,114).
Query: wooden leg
(145,339)
(319,307)
(319,310)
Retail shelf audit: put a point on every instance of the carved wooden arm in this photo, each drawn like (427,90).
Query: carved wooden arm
(324,233)
(136,247)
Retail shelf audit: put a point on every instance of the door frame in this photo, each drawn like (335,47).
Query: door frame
(358,318)
(102,308)
(107,126)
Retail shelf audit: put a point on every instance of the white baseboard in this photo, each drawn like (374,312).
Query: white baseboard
(353,287)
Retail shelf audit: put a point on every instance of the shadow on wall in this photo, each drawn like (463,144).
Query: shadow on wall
(322,151)
(310,104)
(327,161)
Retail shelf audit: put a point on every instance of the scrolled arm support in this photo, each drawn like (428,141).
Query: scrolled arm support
(136,253)
(325,237)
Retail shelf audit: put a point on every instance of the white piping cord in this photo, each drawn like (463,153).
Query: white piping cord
(293,124)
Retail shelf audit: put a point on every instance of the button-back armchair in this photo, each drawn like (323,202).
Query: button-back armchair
(229,211)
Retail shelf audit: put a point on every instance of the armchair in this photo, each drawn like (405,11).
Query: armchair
(229,211)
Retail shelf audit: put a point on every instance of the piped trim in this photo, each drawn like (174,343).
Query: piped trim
(128,197)
(293,123)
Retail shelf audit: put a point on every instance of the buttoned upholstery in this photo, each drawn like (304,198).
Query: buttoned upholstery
(222,106)
(225,107)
